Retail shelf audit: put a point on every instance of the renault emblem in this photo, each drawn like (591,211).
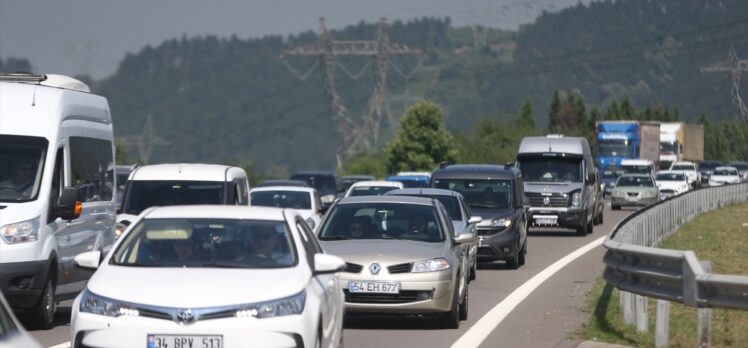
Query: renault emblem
(185,316)
(547,200)
(375,268)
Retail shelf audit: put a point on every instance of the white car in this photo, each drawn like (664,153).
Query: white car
(671,183)
(305,200)
(372,188)
(211,276)
(691,171)
(12,333)
(724,175)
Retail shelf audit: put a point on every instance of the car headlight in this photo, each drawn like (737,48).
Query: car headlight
(291,305)
(327,198)
(576,199)
(433,265)
(649,194)
(310,222)
(501,222)
(20,232)
(95,304)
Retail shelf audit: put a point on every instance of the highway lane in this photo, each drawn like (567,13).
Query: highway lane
(544,319)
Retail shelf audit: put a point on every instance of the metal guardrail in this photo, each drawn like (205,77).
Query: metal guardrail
(635,264)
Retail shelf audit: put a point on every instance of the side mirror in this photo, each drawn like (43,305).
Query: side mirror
(67,207)
(89,259)
(475,220)
(464,238)
(327,264)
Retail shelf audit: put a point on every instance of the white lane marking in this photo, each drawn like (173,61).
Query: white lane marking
(62,345)
(474,336)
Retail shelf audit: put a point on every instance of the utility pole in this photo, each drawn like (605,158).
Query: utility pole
(735,67)
(352,134)
(146,141)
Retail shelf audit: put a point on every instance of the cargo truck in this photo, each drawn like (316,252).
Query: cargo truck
(620,140)
(681,142)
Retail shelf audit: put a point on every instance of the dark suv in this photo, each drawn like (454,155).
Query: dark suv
(327,184)
(496,194)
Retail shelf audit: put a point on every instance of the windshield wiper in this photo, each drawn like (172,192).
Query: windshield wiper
(338,237)
(483,206)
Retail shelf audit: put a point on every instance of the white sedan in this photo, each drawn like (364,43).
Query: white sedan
(372,188)
(209,277)
(724,175)
(671,183)
(305,200)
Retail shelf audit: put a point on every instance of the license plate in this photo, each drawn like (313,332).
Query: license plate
(633,198)
(374,287)
(546,220)
(184,341)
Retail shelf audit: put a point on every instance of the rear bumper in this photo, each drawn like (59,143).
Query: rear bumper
(22,282)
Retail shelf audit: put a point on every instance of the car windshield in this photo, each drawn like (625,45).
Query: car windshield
(709,165)
(143,194)
(551,169)
(670,177)
(613,172)
(634,181)
(668,148)
(414,183)
(22,159)
(615,148)
(636,169)
(480,194)
(682,167)
(371,190)
(739,165)
(726,172)
(319,182)
(282,199)
(382,221)
(208,243)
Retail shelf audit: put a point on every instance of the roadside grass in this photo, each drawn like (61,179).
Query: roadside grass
(717,236)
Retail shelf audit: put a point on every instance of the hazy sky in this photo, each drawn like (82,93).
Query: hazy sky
(92,36)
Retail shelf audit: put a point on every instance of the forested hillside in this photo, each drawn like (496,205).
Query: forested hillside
(233,100)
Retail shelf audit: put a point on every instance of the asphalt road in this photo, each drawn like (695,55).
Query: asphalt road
(546,318)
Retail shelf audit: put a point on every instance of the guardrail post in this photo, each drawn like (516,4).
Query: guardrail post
(640,303)
(704,318)
(627,304)
(662,323)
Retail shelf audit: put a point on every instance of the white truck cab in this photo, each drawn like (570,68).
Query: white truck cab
(181,184)
(56,189)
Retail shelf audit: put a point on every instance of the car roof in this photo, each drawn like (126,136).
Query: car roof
(475,171)
(283,188)
(671,172)
(424,191)
(183,171)
(555,144)
(282,182)
(386,199)
(367,183)
(407,178)
(683,162)
(637,162)
(233,212)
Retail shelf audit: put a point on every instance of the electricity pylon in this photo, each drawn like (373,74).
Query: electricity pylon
(353,135)
(146,141)
(734,66)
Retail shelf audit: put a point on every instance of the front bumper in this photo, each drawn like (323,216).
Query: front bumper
(22,283)
(638,202)
(420,293)
(92,330)
(497,243)
(565,217)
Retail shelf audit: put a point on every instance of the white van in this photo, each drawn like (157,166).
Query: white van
(181,184)
(56,189)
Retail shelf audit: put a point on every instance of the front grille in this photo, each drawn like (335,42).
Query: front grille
(667,192)
(353,268)
(633,194)
(404,296)
(555,200)
(489,231)
(401,268)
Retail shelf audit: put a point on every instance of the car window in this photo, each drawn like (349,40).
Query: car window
(143,194)
(371,190)
(207,243)
(382,221)
(634,181)
(91,168)
(282,199)
(480,194)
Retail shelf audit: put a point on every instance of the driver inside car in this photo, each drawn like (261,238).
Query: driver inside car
(20,179)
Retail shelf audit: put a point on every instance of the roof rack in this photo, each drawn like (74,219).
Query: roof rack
(23,77)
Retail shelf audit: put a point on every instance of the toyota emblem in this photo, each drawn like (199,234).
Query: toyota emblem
(546,200)
(375,268)
(185,316)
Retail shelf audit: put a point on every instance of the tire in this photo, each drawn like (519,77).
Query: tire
(42,314)
(583,230)
(615,207)
(600,221)
(523,254)
(513,263)
(451,319)
(473,271)
(590,227)
(465,304)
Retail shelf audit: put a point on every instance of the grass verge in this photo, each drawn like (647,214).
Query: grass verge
(718,236)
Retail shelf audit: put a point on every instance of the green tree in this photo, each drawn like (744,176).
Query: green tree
(526,117)
(554,116)
(366,164)
(422,142)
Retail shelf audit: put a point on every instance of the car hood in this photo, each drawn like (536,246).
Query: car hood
(365,251)
(489,215)
(196,287)
(17,212)
(671,185)
(724,178)
(554,187)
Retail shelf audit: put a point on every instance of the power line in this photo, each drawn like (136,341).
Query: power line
(735,67)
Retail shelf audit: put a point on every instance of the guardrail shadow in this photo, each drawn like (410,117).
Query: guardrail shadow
(601,309)
(392,322)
